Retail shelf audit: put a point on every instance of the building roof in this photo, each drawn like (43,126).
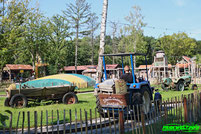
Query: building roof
(17,67)
(89,71)
(149,66)
(144,66)
(84,67)
(187,58)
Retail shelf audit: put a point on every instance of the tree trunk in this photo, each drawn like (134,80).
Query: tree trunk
(102,40)
(33,61)
(76,45)
(134,59)
(1,76)
(92,44)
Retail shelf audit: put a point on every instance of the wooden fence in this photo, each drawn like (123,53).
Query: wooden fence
(180,110)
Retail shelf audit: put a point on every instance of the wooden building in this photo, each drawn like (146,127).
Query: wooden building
(113,70)
(16,72)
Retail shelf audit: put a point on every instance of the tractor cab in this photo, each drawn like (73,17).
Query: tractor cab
(136,91)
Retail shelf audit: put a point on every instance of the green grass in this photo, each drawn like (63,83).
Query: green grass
(172,93)
(2,92)
(90,89)
(86,101)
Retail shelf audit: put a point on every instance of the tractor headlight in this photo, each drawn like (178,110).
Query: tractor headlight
(134,86)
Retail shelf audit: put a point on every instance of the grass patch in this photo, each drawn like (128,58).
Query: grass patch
(2,92)
(90,89)
(172,94)
(86,101)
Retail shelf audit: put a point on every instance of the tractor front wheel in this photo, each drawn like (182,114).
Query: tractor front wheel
(180,86)
(163,86)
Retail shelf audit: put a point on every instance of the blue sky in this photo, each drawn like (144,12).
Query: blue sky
(166,16)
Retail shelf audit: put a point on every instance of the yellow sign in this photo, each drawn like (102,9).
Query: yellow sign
(21,71)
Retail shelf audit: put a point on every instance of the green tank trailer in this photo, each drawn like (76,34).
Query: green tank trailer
(176,84)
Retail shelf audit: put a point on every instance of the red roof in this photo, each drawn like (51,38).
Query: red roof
(18,67)
(187,58)
(149,66)
(84,67)
(144,66)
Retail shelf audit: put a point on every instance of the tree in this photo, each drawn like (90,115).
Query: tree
(78,15)
(177,45)
(114,26)
(13,32)
(134,28)
(102,40)
(59,49)
(93,25)
(151,47)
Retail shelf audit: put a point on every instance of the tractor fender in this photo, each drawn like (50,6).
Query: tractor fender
(138,85)
(179,80)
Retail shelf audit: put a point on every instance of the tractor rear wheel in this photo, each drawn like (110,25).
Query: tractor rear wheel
(180,86)
(143,98)
(146,105)
(98,106)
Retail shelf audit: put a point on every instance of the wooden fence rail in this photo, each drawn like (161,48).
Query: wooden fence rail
(179,110)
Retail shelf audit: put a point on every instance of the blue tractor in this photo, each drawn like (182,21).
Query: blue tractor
(138,92)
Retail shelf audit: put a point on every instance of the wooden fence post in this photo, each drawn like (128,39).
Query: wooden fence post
(121,121)
(28,121)
(200,105)
(35,121)
(11,119)
(17,122)
(86,122)
(23,116)
(46,122)
(143,121)
(185,111)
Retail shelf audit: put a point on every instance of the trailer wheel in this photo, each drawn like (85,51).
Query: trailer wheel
(180,85)
(18,101)
(70,98)
(6,102)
